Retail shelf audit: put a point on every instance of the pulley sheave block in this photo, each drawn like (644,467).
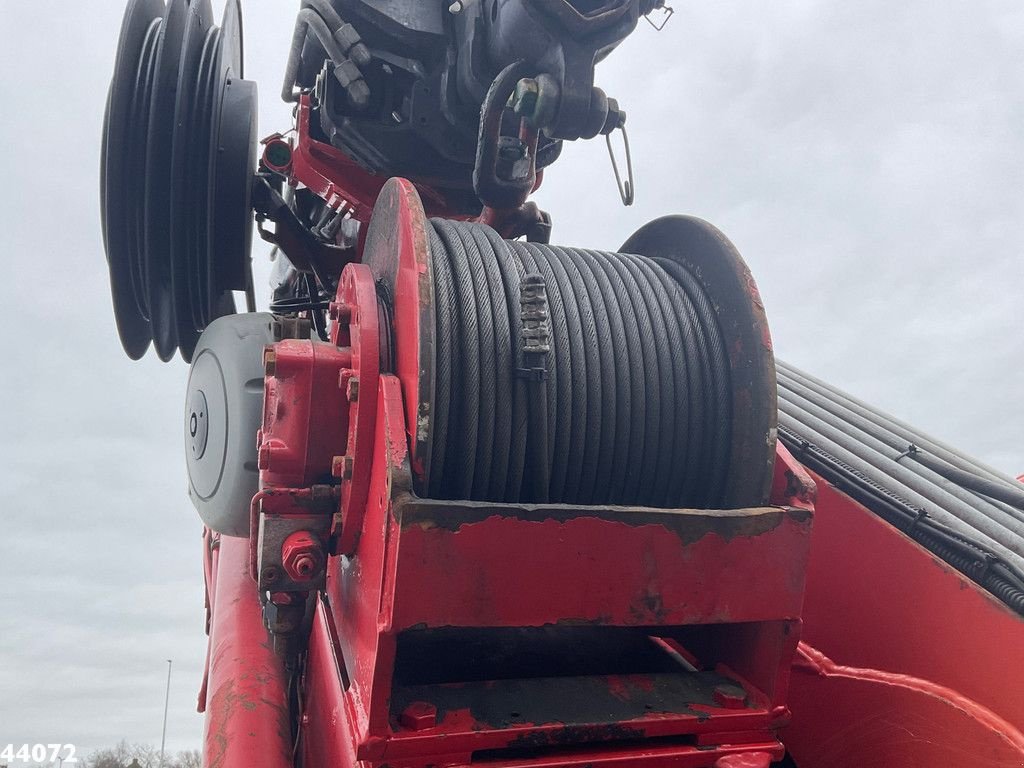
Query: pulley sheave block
(179,151)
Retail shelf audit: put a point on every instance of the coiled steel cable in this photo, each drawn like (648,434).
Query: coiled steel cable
(636,383)
(869,455)
(826,418)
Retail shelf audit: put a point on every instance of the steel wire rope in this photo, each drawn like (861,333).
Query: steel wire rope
(636,380)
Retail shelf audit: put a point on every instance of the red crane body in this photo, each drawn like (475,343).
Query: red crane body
(404,565)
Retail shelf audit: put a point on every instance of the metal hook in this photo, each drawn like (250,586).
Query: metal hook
(627,189)
(667,11)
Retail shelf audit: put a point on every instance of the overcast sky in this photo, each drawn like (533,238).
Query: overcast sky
(867,159)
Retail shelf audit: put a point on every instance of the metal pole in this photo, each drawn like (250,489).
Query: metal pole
(167,700)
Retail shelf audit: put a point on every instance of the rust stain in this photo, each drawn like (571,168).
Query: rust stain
(689,526)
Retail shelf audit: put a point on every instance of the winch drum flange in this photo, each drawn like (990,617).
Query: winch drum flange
(398,253)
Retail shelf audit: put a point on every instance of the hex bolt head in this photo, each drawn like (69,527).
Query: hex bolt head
(302,556)
(730,696)
(418,716)
(343,467)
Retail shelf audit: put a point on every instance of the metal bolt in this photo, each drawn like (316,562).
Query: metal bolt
(730,696)
(270,575)
(340,312)
(524,100)
(302,556)
(352,391)
(512,150)
(418,716)
(536,100)
(343,377)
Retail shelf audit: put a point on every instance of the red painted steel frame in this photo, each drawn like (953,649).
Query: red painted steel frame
(244,691)
(333,176)
(906,662)
(423,564)
(903,662)
(728,584)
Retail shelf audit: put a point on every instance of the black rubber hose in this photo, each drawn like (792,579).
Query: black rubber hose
(882,495)
(636,402)
(874,443)
(903,433)
(309,20)
(957,501)
(939,505)
(902,440)
(994,490)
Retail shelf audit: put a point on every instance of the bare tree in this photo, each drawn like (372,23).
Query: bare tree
(144,755)
(190,758)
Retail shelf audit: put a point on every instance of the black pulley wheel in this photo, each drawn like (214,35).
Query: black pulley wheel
(184,170)
(159,156)
(122,168)
(233,142)
(203,121)
(179,151)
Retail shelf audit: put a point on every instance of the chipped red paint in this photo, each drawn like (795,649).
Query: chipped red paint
(397,252)
(423,563)
(247,717)
(743,565)
(714,596)
(745,760)
(792,485)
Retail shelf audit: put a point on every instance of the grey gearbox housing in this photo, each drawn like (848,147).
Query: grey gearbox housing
(223,412)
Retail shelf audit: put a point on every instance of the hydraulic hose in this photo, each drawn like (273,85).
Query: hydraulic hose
(903,433)
(962,511)
(1011,497)
(967,552)
(636,383)
(980,513)
(965,479)
(340,41)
